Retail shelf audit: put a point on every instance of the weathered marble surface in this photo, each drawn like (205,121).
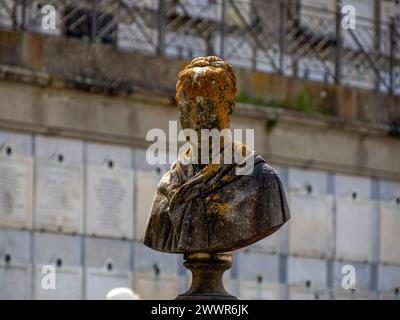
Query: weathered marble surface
(209,208)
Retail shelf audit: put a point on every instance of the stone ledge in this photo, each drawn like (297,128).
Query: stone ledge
(297,140)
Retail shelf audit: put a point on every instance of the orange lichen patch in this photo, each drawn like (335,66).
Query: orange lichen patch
(209,170)
(207,75)
(216,197)
(217,208)
(226,178)
(221,112)
(229,178)
(205,93)
(244,150)
(209,81)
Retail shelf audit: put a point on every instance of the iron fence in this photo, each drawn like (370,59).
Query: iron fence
(277,36)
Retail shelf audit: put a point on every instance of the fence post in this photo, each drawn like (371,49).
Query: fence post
(256,24)
(94,21)
(115,26)
(282,36)
(222,30)
(377,37)
(338,51)
(161,18)
(296,18)
(23,18)
(391,54)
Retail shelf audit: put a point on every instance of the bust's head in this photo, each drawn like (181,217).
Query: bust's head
(205,94)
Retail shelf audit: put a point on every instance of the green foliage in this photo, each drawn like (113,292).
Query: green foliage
(269,102)
(272,123)
(302,102)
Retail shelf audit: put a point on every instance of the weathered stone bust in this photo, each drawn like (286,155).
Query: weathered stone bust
(209,208)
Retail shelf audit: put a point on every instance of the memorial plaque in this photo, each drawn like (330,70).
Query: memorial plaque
(300,293)
(270,244)
(16,191)
(100,281)
(363,275)
(145,260)
(114,156)
(63,253)
(16,143)
(15,266)
(160,162)
(252,266)
(107,266)
(389,190)
(313,182)
(146,185)
(152,287)
(307,273)
(59,196)
(68,284)
(251,290)
(311,225)
(68,151)
(390,232)
(109,205)
(354,229)
(389,282)
(347,186)
(389,279)
(49,247)
(100,252)
(16,281)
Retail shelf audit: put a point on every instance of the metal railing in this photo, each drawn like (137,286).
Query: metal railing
(276,36)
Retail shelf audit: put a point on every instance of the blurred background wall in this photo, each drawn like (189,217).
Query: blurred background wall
(76,104)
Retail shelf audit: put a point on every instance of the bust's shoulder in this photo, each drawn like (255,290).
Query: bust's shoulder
(264,167)
(263,172)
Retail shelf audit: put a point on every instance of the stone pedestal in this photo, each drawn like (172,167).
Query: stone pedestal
(207,271)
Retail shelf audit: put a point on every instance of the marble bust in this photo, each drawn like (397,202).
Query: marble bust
(209,208)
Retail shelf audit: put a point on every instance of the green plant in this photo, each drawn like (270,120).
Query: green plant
(272,123)
(269,102)
(303,102)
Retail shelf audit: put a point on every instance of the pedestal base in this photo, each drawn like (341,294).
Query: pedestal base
(207,271)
